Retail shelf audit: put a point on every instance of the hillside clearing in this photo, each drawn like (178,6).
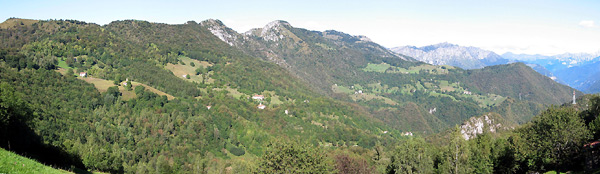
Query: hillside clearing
(368,97)
(102,85)
(386,68)
(10,23)
(13,163)
(182,70)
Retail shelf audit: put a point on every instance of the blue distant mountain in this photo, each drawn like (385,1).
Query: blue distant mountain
(580,71)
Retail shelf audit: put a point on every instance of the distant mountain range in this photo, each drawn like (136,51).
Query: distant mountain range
(392,84)
(451,54)
(578,70)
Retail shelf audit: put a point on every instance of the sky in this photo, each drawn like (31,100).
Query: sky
(544,27)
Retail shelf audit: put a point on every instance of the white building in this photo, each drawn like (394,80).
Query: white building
(258,97)
(574,102)
(261,106)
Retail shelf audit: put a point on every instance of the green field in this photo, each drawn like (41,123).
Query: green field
(180,70)
(9,23)
(341,89)
(234,92)
(407,88)
(368,97)
(435,94)
(378,89)
(425,67)
(377,67)
(275,99)
(487,100)
(432,69)
(13,163)
(445,86)
(63,64)
(102,85)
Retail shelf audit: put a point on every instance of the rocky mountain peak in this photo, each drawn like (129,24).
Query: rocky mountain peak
(219,29)
(437,46)
(277,23)
(364,38)
(212,22)
(274,31)
(451,54)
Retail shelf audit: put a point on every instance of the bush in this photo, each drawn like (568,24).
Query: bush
(293,157)
(235,150)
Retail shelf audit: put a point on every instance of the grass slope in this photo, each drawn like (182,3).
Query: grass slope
(13,163)
(182,71)
(102,85)
(13,22)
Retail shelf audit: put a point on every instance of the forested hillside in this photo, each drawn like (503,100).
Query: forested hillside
(131,129)
(406,94)
(140,97)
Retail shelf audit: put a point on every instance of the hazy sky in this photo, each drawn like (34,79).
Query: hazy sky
(520,26)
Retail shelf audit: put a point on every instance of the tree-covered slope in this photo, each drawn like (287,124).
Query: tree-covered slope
(594,87)
(519,81)
(320,58)
(114,119)
(144,132)
(581,77)
(408,95)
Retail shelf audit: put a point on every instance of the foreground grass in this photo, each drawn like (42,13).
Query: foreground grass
(13,163)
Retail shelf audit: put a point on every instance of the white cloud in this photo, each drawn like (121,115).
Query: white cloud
(585,23)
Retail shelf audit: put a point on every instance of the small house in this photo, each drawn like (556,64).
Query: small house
(83,74)
(261,106)
(126,81)
(208,107)
(258,97)
(467,92)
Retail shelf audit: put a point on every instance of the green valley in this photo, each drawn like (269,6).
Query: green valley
(135,96)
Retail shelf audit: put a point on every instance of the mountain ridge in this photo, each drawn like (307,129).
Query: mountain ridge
(330,89)
(451,54)
(574,69)
(347,68)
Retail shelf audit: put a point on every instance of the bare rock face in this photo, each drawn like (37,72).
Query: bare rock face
(490,122)
(450,54)
(274,31)
(217,28)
